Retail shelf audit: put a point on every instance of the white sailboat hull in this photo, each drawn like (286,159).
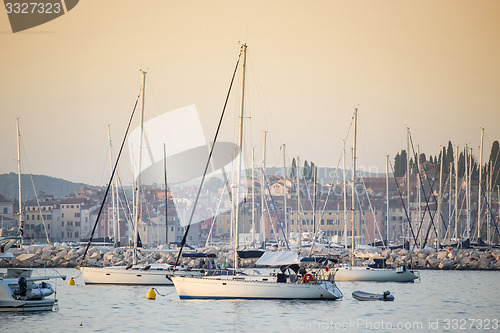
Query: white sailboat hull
(252,288)
(145,275)
(121,275)
(374,274)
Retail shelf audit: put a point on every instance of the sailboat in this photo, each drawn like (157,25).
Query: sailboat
(135,274)
(290,283)
(6,242)
(362,273)
(19,291)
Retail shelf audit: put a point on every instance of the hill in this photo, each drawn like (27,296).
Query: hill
(57,187)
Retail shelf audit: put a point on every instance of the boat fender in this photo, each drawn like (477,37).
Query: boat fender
(308,278)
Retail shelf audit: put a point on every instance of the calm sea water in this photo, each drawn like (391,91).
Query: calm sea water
(443,301)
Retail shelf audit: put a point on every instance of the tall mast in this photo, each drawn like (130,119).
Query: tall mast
(285,189)
(456,192)
(253,198)
(314,205)
(345,194)
(242,101)
(408,180)
(115,227)
(138,183)
(419,195)
(387,199)
(480,187)
(498,203)
(489,179)
(440,198)
(299,219)
(353,189)
(21,226)
(262,189)
(449,201)
(166,193)
(467,189)
(470,190)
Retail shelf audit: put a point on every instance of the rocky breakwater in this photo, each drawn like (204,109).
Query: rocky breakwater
(449,259)
(62,256)
(69,257)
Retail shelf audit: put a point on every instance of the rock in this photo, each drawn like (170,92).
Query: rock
(496,254)
(447,264)
(49,248)
(96,255)
(25,256)
(484,263)
(473,265)
(386,253)
(452,254)
(421,263)
(442,255)
(495,265)
(108,255)
(403,252)
(62,253)
(46,255)
(433,262)
(422,255)
(474,255)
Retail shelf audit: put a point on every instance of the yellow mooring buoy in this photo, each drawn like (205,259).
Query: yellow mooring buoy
(151,294)
(71,282)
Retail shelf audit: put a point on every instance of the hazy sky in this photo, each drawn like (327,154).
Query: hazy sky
(433,66)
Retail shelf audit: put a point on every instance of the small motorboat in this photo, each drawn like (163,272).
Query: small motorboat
(19,292)
(364,296)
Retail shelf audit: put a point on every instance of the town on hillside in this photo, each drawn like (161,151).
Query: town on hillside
(281,209)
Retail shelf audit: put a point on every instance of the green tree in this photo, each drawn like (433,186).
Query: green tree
(495,162)
(293,170)
(461,165)
(449,153)
(444,156)
(306,170)
(397,161)
(400,164)
(422,158)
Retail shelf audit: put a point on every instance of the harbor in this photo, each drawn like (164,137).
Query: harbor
(250,166)
(106,309)
(68,257)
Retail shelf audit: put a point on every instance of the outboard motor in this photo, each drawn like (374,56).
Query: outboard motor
(23,286)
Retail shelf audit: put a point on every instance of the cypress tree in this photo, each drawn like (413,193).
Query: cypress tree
(305,171)
(293,169)
(461,165)
(495,161)
(449,153)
